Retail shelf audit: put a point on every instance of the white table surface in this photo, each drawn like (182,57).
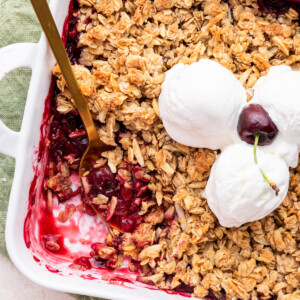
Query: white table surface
(14,286)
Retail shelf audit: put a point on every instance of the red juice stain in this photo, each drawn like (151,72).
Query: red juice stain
(120,282)
(26,229)
(88,277)
(83,262)
(36,259)
(52,270)
(50,233)
(31,202)
(117,280)
(31,198)
(44,128)
(170,292)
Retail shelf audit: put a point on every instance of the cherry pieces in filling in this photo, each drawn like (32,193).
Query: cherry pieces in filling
(118,197)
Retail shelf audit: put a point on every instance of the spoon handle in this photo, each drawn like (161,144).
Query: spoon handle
(49,27)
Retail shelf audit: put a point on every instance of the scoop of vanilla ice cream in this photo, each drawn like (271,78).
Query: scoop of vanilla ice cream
(279,94)
(286,150)
(273,72)
(200,104)
(236,191)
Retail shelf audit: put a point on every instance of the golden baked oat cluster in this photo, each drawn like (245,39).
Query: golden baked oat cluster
(127,46)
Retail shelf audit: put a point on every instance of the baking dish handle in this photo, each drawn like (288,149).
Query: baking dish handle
(13,57)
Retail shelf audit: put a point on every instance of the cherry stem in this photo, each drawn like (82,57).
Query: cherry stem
(270,182)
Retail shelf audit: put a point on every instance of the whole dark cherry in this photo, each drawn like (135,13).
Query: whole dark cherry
(254,119)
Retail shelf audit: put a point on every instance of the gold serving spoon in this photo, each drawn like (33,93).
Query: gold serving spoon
(95,146)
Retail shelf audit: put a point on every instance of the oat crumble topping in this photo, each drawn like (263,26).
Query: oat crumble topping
(126,49)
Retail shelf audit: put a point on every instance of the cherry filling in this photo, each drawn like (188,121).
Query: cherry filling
(68,137)
(102,181)
(278,6)
(125,190)
(68,141)
(71,37)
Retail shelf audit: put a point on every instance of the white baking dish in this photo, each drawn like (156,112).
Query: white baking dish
(23,147)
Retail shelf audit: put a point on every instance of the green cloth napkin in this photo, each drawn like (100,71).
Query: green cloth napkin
(18,23)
